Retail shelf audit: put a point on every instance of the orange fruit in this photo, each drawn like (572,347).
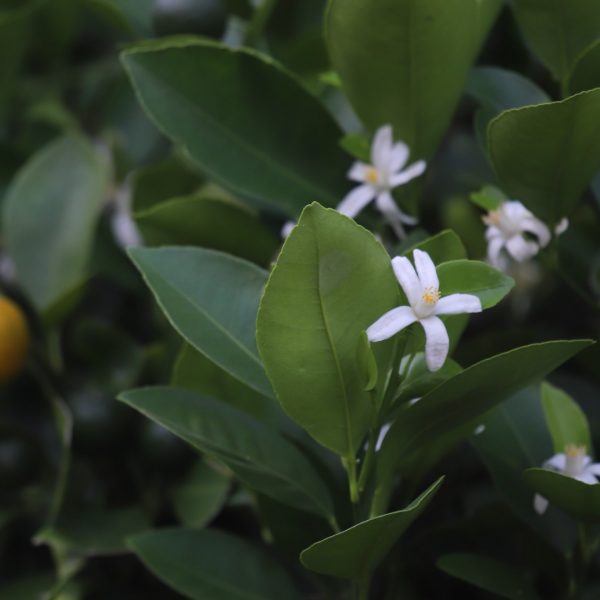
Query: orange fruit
(14,339)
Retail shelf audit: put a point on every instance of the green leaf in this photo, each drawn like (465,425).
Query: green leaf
(133,15)
(566,421)
(259,456)
(358,146)
(95,533)
(211,299)
(474,277)
(442,247)
(209,223)
(578,499)
(489,197)
(194,372)
(50,215)
(212,564)
(501,89)
(420,380)
(331,281)
(586,71)
(356,552)
(199,498)
(230,109)
(546,155)
(558,31)
(489,574)
(453,409)
(515,438)
(405,62)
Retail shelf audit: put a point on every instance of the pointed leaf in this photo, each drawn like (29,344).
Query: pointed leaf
(405,62)
(546,155)
(243,119)
(259,456)
(211,299)
(356,552)
(331,281)
(566,421)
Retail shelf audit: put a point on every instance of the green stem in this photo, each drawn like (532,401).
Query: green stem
(365,469)
(350,465)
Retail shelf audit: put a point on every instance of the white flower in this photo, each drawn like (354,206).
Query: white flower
(124,229)
(506,226)
(573,462)
(287,229)
(422,290)
(380,178)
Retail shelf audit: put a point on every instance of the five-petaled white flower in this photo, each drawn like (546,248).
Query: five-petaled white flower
(506,226)
(380,178)
(423,294)
(573,462)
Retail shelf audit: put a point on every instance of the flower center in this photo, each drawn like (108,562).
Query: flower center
(575,460)
(371,175)
(431,295)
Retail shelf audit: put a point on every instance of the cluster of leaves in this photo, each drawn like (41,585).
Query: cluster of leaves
(264,409)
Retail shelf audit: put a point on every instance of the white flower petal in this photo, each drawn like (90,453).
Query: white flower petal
(457,304)
(436,342)
(558,462)
(587,478)
(356,200)
(409,173)
(385,203)
(520,248)
(561,226)
(287,228)
(539,229)
(540,504)
(495,246)
(391,323)
(398,157)
(493,232)
(426,269)
(125,230)
(594,469)
(382,147)
(407,278)
(382,433)
(358,172)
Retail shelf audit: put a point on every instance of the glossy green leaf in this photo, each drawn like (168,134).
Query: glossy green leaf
(420,380)
(199,498)
(491,575)
(331,281)
(356,552)
(488,197)
(456,407)
(209,223)
(442,247)
(258,455)
(405,62)
(474,277)
(194,372)
(578,499)
(50,215)
(230,109)
(558,31)
(212,564)
(546,155)
(586,72)
(566,421)
(211,299)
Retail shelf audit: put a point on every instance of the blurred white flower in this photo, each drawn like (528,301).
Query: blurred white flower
(423,294)
(561,226)
(380,178)
(7,268)
(573,462)
(124,229)
(505,228)
(287,228)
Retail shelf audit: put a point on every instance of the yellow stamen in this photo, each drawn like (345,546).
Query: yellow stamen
(371,175)
(431,295)
(573,451)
